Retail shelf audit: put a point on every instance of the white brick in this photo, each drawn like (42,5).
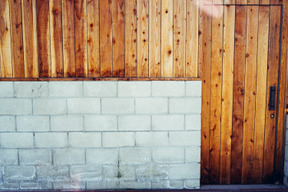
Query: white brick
(52,173)
(7,123)
(19,173)
(192,184)
(193,88)
(151,139)
(83,105)
(118,139)
(6,89)
(100,123)
(85,139)
(65,89)
(66,123)
(151,105)
(184,171)
(168,88)
(134,89)
(134,123)
(49,106)
(31,89)
(14,185)
(135,184)
(102,156)
(29,185)
(32,123)
(35,157)
(86,173)
(168,122)
(134,155)
(100,89)
(122,171)
(168,184)
(16,140)
(185,105)
(187,138)
(69,185)
(168,155)
(193,122)
(69,156)
(15,107)
(192,155)
(51,140)
(117,106)
(103,184)
(152,172)
(8,157)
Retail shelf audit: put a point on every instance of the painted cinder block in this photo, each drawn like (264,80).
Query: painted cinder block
(86,173)
(51,140)
(31,89)
(134,123)
(35,157)
(152,172)
(100,123)
(65,89)
(168,155)
(8,157)
(15,107)
(67,123)
(184,171)
(185,105)
(185,138)
(50,173)
(193,88)
(193,154)
(102,156)
(193,122)
(168,122)
(118,139)
(100,89)
(6,89)
(134,155)
(118,106)
(49,106)
(68,156)
(151,105)
(19,173)
(32,123)
(83,105)
(136,89)
(7,123)
(152,139)
(16,140)
(78,139)
(168,89)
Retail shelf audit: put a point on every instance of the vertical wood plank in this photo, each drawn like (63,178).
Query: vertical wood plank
(192,39)
(106,38)
(56,38)
(260,117)
(5,40)
(155,38)
(273,67)
(205,45)
(43,37)
(227,94)
(264,2)
(68,38)
(250,94)
(17,38)
(167,39)
(179,38)
(93,38)
(29,21)
(80,15)
(238,94)
(118,19)
(216,92)
(130,38)
(142,38)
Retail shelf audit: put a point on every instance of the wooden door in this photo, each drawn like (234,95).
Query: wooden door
(240,85)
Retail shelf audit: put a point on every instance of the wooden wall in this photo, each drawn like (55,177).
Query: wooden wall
(99,38)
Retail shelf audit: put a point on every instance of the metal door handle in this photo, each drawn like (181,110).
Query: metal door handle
(272,98)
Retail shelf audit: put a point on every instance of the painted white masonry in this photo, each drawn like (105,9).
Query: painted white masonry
(100,135)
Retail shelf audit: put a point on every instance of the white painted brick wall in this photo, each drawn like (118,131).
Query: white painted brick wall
(100,135)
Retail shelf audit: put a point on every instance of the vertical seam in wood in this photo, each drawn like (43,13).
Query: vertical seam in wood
(173,30)
(111,38)
(185,42)
(11,56)
(23,39)
(137,40)
(75,48)
(124,23)
(148,39)
(63,66)
(87,47)
(49,39)
(99,26)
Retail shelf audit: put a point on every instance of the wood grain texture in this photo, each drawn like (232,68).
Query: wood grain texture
(17,38)
(192,68)
(238,94)
(118,40)
(68,38)
(56,38)
(205,50)
(130,38)
(106,54)
(273,67)
(93,38)
(29,21)
(5,40)
(155,38)
(142,38)
(80,15)
(227,94)
(179,38)
(261,92)
(167,39)
(216,93)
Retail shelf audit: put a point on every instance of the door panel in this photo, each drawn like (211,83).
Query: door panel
(245,44)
